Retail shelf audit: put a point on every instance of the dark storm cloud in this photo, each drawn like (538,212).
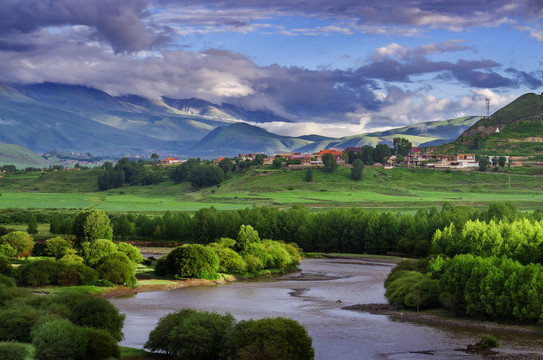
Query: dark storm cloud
(119,22)
(532,81)
(431,13)
(481,79)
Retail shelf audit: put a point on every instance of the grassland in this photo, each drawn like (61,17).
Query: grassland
(396,189)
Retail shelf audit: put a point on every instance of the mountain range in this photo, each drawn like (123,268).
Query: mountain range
(70,118)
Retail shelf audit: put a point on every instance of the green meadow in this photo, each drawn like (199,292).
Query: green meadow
(396,189)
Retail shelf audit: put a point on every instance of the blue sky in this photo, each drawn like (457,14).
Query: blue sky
(333,67)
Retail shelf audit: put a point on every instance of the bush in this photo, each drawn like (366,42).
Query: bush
(230,261)
(118,269)
(254,264)
(17,322)
(5,266)
(7,251)
(193,261)
(189,334)
(202,336)
(13,351)
(94,252)
(74,273)
(57,247)
(131,251)
(60,340)
(100,345)
(7,281)
(488,342)
(279,257)
(95,312)
(271,339)
(37,273)
(21,241)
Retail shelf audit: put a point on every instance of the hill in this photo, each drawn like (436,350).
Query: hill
(514,130)
(20,156)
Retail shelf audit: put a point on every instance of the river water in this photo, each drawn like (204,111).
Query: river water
(314,297)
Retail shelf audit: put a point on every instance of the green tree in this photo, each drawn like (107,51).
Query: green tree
(193,261)
(32,227)
(329,163)
(154,157)
(246,236)
(381,153)
(357,169)
(277,163)
(366,154)
(502,161)
(401,146)
(57,247)
(20,241)
(118,269)
(483,163)
(94,252)
(59,339)
(272,339)
(90,225)
(309,175)
(227,165)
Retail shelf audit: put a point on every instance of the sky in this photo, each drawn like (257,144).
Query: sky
(332,67)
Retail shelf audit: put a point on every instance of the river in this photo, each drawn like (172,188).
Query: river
(314,297)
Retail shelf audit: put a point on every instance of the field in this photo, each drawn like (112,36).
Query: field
(397,189)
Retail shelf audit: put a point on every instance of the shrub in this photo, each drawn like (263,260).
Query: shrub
(37,273)
(21,241)
(202,336)
(7,281)
(74,273)
(95,312)
(193,261)
(254,264)
(118,269)
(271,339)
(189,334)
(59,339)
(71,256)
(131,251)
(17,322)
(100,345)
(7,251)
(13,351)
(158,338)
(279,257)
(230,261)
(57,247)
(94,252)
(161,267)
(488,342)
(5,266)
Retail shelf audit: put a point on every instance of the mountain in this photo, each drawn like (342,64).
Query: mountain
(72,118)
(20,156)
(515,130)
(240,138)
(49,116)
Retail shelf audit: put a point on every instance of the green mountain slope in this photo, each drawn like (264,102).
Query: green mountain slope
(515,130)
(20,156)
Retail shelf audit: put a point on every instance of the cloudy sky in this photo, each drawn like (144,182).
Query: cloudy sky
(334,67)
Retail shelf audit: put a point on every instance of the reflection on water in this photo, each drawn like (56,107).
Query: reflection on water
(314,297)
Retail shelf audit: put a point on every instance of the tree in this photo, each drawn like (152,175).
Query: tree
(118,269)
(502,161)
(59,339)
(206,175)
(381,153)
(329,163)
(401,146)
(90,225)
(309,175)
(349,156)
(57,247)
(357,169)
(483,163)
(32,225)
(272,339)
(193,261)
(246,236)
(154,157)
(277,163)
(226,165)
(20,241)
(366,154)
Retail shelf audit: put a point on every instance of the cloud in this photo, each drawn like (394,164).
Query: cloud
(118,22)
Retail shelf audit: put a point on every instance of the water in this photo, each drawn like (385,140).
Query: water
(315,297)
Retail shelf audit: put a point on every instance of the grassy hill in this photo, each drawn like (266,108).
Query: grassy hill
(20,156)
(514,130)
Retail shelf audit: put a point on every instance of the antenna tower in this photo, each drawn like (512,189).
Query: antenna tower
(487,102)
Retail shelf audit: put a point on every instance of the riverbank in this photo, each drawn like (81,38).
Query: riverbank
(401,314)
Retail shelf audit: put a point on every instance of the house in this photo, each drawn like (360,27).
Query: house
(247,156)
(516,164)
(336,153)
(464,161)
(170,161)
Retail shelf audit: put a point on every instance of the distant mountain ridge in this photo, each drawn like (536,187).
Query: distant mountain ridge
(49,116)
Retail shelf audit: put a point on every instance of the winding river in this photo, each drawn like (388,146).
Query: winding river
(315,297)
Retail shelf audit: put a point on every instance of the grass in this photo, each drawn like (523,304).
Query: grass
(398,189)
